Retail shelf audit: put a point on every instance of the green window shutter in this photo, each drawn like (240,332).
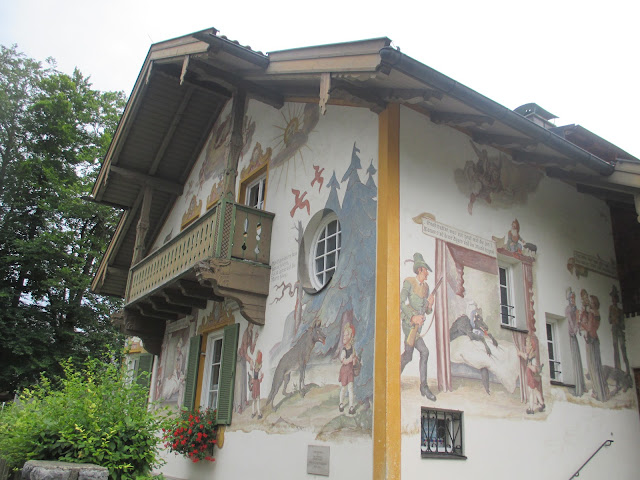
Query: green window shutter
(191,379)
(227,374)
(143,374)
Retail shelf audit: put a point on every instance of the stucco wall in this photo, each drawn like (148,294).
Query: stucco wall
(440,181)
(330,161)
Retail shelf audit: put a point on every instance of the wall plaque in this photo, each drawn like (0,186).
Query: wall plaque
(318,460)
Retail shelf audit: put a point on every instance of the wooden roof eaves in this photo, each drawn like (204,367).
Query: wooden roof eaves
(393,59)
(98,279)
(172,48)
(358,47)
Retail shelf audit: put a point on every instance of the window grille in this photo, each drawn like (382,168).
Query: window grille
(441,433)
(554,353)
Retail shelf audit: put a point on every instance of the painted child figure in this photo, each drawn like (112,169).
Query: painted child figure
(255,379)
(533,376)
(348,358)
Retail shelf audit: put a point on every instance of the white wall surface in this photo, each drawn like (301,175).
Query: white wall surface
(501,440)
(275,447)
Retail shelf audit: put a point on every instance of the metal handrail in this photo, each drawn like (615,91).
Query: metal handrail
(606,443)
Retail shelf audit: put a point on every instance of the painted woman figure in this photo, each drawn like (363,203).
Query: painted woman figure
(514,240)
(347,358)
(533,377)
(589,323)
(255,379)
(571,314)
(247,347)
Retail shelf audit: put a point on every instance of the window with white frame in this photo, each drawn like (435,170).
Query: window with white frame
(562,369)
(507,307)
(511,295)
(211,383)
(211,380)
(326,252)
(553,345)
(255,192)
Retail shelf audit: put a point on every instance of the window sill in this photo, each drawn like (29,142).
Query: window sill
(562,384)
(514,329)
(451,456)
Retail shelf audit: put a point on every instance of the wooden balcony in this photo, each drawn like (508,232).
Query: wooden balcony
(223,254)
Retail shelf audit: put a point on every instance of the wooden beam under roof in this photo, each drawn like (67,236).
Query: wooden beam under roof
(232,81)
(461,119)
(160,304)
(191,80)
(372,101)
(147,310)
(542,160)
(193,289)
(176,297)
(168,136)
(148,180)
(610,183)
(505,141)
(412,95)
(606,194)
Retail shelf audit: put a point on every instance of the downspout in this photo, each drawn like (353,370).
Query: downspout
(392,58)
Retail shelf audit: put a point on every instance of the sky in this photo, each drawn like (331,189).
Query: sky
(577,59)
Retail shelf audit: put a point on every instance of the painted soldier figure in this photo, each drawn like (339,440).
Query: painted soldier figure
(415,303)
(616,319)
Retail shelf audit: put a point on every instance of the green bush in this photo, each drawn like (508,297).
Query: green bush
(96,415)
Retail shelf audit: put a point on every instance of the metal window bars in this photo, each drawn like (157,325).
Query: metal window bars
(441,433)
(554,370)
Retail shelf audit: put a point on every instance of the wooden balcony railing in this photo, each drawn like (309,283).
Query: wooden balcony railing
(227,249)
(174,258)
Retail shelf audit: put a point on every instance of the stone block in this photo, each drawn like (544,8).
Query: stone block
(47,470)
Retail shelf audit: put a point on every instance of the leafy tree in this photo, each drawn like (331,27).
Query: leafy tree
(54,130)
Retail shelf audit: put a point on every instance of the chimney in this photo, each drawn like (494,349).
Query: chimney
(536,114)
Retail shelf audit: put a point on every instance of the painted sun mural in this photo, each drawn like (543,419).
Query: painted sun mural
(299,120)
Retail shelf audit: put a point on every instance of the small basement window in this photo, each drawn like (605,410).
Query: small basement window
(441,433)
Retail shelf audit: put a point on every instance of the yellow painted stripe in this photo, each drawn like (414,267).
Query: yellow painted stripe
(386,400)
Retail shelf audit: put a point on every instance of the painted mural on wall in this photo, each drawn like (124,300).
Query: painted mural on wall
(172,368)
(492,178)
(327,336)
(603,382)
(451,314)
(460,343)
(299,120)
(581,264)
(211,168)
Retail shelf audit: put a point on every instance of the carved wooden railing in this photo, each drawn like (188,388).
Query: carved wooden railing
(228,231)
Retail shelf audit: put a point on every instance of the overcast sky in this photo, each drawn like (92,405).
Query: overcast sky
(577,59)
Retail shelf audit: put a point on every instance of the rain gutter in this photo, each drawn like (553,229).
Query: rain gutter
(223,44)
(390,57)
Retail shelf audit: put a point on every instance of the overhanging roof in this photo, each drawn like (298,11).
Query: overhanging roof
(185,83)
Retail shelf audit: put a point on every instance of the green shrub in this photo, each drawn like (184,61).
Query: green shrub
(96,415)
